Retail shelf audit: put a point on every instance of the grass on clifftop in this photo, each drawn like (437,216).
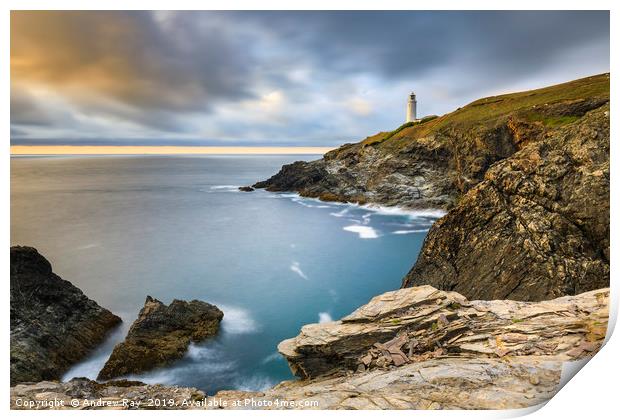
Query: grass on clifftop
(488,111)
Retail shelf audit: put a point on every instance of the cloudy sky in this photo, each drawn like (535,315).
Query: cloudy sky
(276,78)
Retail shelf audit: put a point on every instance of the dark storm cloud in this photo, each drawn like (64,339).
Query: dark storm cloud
(412,43)
(187,73)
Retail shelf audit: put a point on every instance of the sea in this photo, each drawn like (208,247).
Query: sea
(177,227)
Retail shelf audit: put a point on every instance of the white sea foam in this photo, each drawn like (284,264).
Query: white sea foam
(334,295)
(340,213)
(225,188)
(324,317)
(308,203)
(272,358)
(405,232)
(254,383)
(364,232)
(237,320)
(399,211)
(296,269)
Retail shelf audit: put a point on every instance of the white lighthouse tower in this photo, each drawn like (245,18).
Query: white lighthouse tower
(411,108)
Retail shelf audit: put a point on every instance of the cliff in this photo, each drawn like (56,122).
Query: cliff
(414,348)
(536,228)
(525,177)
(53,324)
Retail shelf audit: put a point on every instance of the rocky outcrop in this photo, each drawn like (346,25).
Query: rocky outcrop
(421,323)
(53,324)
(84,394)
(525,177)
(415,348)
(536,228)
(160,335)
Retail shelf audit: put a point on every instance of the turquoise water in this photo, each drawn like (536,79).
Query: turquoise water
(121,228)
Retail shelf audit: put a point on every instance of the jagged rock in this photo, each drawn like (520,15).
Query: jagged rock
(536,228)
(160,335)
(421,323)
(246,189)
(53,324)
(463,355)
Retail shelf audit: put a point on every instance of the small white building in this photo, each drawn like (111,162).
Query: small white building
(412,108)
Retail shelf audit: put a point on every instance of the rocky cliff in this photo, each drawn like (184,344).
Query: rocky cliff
(53,324)
(161,334)
(525,177)
(414,348)
(536,228)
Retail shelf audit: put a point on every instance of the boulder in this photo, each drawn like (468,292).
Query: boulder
(160,335)
(53,324)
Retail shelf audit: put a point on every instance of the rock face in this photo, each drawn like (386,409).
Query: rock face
(421,323)
(536,228)
(160,335)
(414,348)
(53,324)
(525,177)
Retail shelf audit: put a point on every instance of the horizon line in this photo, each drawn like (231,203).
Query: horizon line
(25,150)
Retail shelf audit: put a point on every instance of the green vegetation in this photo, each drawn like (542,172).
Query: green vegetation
(381,137)
(488,111)
(552,121)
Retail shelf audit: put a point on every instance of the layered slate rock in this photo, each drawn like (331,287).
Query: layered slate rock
(422,323)
(161,334)
(53,324)
(536,228)
(415,348)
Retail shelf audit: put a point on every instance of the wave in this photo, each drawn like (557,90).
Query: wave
(224,188)
(405,232)
(254,383)
(296,269)
(304,202)
(203,360)
(325,317)
(237,320)
(272,358)
(399,211)
(364,232)
(341,213)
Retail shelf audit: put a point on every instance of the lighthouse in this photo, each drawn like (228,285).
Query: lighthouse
(411,108)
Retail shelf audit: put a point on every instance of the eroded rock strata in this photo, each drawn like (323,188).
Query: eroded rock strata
(421,323)
(415,348)
(53,324)
(536,228)
(161,334)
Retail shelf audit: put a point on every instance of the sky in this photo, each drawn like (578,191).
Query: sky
(276,78)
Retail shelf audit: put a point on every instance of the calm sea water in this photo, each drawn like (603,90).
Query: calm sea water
(121,228)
